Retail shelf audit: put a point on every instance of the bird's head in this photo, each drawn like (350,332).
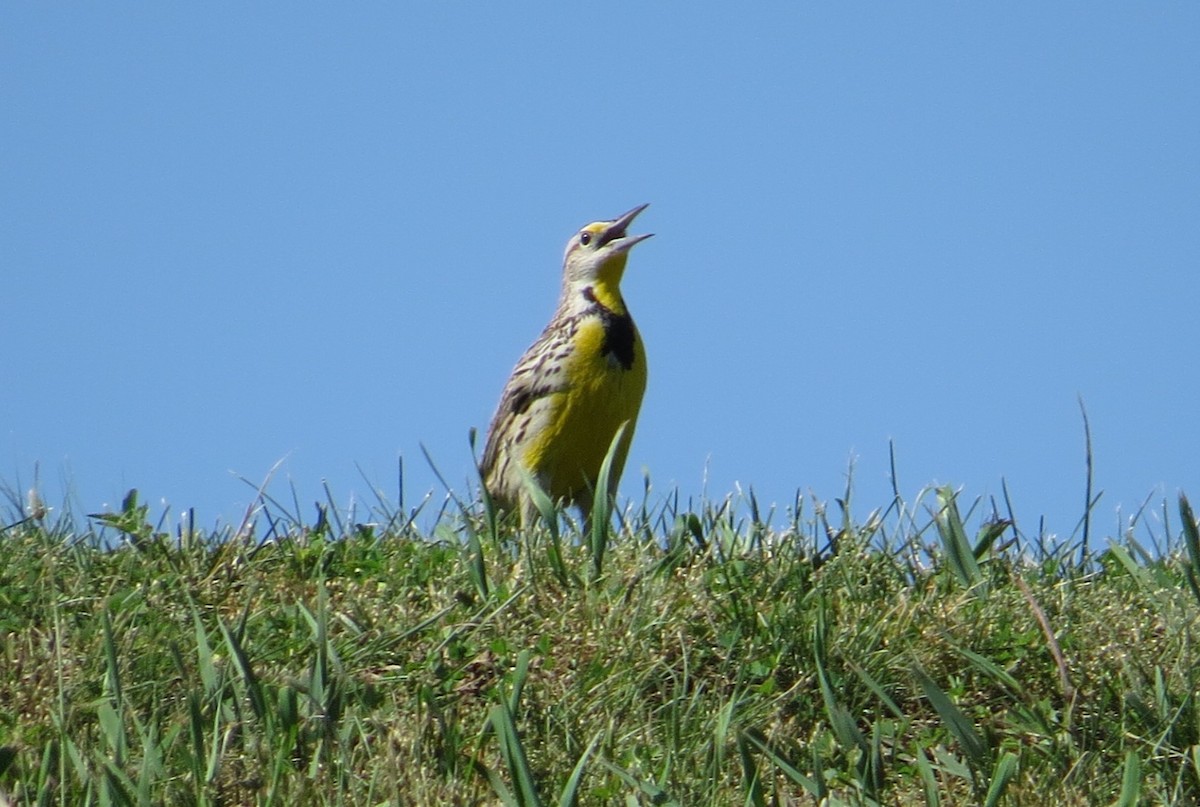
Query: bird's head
(596,254)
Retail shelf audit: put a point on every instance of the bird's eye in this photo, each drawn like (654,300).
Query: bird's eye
(585,238)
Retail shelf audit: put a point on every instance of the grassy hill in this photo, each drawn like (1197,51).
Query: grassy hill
(688,656)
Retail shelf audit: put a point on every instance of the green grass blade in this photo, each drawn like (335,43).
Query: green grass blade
(716,743)
(1191,540)
(1004,772)
(75,756)
(112,670)
(48,772)
(570,792)
(989,668)
(195,752)
(815,789)
(242,662)
(656,794)
(602,504)
(1138,572)
(554,555)
(987,536)
(960,556)
(928,779)
(879,691)
(151,770)
(541,502)
(520,673)
(477,563)
(1088,501)
(871,768)
(499,786)
(204,653)
(1191,531)
(116,787)
(111,708)
(844,727)
(112,731)
(751,781)
(1131,781)
(957,723)
(953,765)
(1195,757)
(513,753)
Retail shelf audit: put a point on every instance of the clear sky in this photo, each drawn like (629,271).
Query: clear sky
(235,234)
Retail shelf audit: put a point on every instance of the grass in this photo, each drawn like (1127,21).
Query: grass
(694,656)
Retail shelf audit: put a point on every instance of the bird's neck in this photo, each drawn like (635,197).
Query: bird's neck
(604,288)
(586,296)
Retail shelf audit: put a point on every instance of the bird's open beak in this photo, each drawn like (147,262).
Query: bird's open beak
(616,234)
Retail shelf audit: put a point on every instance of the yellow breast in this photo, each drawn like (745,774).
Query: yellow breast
(601,395)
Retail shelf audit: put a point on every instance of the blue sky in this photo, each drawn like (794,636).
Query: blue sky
(231,236)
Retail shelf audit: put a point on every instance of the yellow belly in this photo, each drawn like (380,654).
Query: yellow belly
(600,396)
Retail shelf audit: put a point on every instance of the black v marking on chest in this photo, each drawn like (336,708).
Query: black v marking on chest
(618,330)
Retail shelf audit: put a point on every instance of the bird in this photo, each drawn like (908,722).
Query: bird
(580,383)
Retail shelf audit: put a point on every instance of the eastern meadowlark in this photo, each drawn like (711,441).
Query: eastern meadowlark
(575,386)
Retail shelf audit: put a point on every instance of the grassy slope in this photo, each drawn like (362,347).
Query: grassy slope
(707,661)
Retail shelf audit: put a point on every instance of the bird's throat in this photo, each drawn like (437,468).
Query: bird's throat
(605,292)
